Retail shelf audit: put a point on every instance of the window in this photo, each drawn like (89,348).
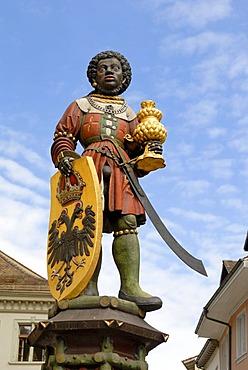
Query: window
(25,351)
(225,353)
(241,334)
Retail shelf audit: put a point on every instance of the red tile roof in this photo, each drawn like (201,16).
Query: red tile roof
(15,276)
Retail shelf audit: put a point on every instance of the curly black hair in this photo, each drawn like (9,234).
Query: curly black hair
(126,68)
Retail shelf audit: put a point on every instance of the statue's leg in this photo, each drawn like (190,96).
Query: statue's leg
(126,253)
(92,288)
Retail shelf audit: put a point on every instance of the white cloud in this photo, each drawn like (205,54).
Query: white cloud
(192,188)
(221,70)
(199,217)
(184,149)
(211,73)
(211,151)
(200,43)
(217,167)
(238,141)
(217,64)
(201,114)
(217,244)
(17,144)
(193,13)
(28,117)
(239,65)
(31,7)
(239,108)
(236,229)
(243,85)
(221,168)
(234,203)
(244,168)
(216,132)
(226,189)
(24,234)
(13,191)
(22,175)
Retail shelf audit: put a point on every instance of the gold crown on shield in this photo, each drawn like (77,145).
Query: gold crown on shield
(70,188)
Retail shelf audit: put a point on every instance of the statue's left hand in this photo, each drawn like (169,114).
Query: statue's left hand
(65,166)
(155,146)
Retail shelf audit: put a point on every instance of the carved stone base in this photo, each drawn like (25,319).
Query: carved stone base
(106,337)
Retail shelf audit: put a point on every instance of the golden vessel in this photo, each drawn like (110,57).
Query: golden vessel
(148,131)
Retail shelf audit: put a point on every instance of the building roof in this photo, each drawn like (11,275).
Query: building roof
(246,243)
(227,266)
(206,352)
(217,312)
(15,276)
(190,363)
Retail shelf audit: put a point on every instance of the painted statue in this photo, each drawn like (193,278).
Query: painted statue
(110,133)
(99,122)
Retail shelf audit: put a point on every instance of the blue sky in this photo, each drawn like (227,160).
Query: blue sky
(191,58)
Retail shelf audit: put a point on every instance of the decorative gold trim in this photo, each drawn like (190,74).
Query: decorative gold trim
(106,97)
(109,322)
(125,232)
(65,134)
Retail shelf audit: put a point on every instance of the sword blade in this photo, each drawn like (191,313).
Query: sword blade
(169,239)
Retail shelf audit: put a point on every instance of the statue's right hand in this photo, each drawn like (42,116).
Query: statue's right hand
(65,166)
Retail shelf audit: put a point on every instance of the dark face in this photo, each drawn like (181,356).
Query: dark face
(109,76)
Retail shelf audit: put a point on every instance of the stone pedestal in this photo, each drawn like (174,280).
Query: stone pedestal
(101,333)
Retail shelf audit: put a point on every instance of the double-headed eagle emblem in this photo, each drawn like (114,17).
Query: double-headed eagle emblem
(71,243)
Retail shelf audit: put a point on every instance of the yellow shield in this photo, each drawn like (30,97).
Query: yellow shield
(75,229)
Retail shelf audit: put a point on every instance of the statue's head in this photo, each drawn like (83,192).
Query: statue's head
(109,73)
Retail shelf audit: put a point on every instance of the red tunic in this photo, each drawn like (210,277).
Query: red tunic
(86,127)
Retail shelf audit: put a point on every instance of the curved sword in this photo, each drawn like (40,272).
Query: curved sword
(172,243)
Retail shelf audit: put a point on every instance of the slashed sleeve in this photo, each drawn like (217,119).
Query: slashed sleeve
(67,131)
(134,148)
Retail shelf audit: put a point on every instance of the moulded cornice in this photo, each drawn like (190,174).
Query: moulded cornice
(35,306)
(38,301)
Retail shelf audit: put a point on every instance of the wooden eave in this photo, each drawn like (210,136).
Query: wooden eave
(189,363)
(232,292)
(206,352)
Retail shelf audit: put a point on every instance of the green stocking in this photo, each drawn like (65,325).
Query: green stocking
(126,252)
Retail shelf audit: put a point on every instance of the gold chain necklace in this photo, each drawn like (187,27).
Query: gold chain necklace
(108,108)
(107,99)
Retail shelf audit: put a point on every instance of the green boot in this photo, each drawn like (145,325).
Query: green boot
(126,253)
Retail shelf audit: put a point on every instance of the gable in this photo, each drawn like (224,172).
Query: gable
(227,266)
(15,276)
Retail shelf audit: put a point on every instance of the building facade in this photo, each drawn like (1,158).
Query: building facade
(224,321)
(24,302)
